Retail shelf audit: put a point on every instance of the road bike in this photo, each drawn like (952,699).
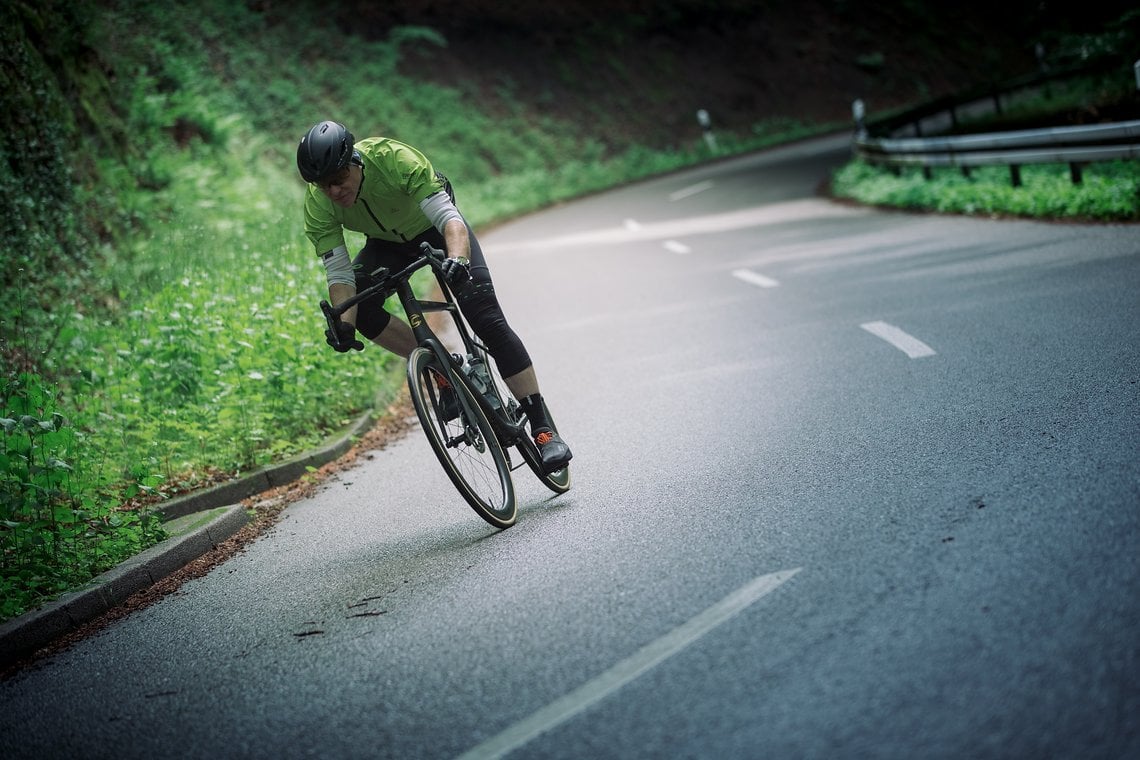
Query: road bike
(470,417)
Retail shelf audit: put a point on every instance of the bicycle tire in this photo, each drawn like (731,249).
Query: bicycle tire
(466,446)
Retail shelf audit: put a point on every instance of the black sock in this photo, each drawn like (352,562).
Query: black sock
(535,411)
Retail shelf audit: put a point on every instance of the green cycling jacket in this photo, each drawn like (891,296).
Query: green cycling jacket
(396,178)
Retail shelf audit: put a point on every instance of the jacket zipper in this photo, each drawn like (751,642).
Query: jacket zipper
(374,217)
(381,224)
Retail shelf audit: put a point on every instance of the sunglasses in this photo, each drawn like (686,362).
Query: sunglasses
(334,179)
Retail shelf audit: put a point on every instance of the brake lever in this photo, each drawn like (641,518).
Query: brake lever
(433,253)
(331,315)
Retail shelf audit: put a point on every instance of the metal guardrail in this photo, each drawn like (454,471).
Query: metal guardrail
(1060,145)
(1074,146)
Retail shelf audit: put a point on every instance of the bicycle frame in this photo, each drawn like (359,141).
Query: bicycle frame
(509,432)
(486,397)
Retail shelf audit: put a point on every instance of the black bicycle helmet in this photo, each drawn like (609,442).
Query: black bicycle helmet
(324,150)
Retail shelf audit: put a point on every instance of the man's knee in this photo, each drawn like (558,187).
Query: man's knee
(482,310)
(370,322)
(397,337)
(481,307)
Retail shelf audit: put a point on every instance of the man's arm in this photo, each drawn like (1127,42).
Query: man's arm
(338,294)
(455,235)
(342,281)
(443,215)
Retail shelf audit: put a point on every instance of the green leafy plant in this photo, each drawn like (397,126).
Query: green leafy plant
(60,519)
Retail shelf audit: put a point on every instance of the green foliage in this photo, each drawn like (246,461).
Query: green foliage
(1109,191)
(60,522)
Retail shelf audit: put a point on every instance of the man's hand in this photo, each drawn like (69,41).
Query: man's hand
(457,272)
(343,338)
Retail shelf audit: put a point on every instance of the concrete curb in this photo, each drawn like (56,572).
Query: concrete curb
(202,520)
(265,478)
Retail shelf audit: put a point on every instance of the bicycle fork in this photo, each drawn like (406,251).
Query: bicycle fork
(415,308)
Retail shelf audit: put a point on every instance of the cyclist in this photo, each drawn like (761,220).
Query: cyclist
(390,192)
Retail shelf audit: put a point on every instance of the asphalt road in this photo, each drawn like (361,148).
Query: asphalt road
(847,484)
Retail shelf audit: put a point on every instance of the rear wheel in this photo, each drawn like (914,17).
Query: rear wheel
(466,444)
(557,481)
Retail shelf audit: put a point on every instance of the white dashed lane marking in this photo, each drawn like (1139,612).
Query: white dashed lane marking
(676,246)
(908,344)
(755,278)
(685,192)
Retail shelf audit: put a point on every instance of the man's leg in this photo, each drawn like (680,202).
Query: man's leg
(397,337)
(481,308)
(554,451)
(523,384)
(372,320)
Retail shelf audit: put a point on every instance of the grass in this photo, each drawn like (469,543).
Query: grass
(1108,192)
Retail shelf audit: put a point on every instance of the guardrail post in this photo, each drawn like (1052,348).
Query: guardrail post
(1136,71)
(1075,173)
(705,121)
(1015,175)
(859,113)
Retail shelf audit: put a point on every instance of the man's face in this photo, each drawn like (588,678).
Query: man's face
(342,187)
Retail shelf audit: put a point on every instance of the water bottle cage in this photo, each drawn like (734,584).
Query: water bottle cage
(477,373)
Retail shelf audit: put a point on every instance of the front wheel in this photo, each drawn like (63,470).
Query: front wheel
(462,438)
